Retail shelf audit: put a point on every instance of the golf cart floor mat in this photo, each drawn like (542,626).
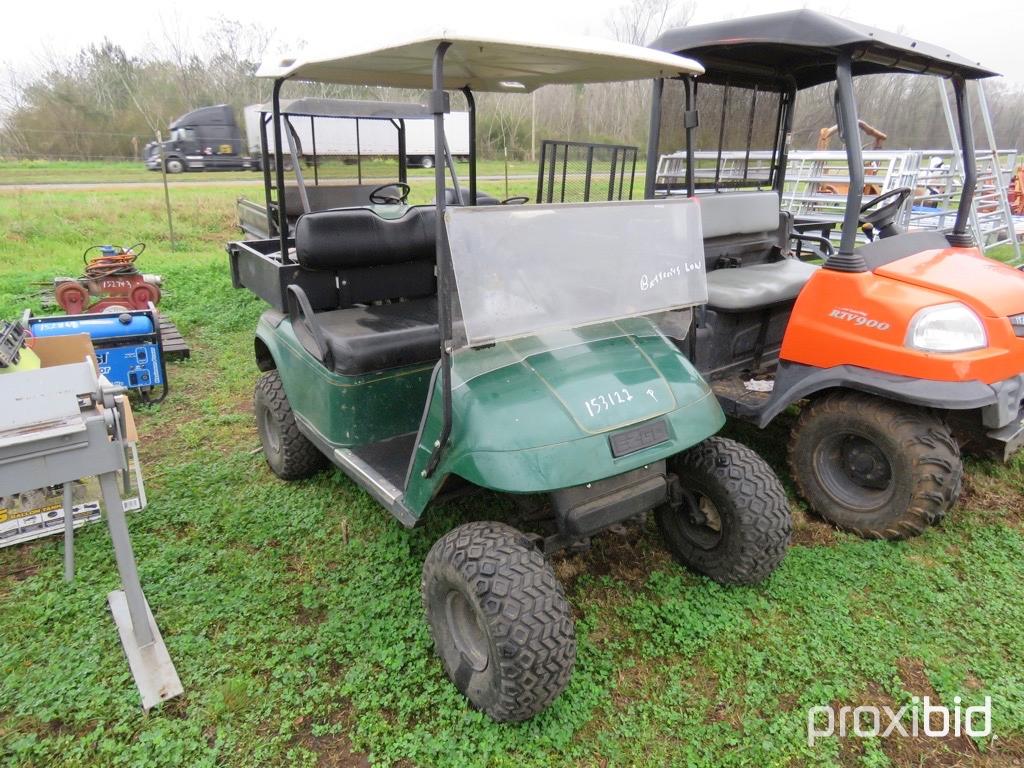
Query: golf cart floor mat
(389,457)
(174,345)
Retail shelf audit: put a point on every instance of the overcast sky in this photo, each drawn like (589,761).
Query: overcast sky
(991,32)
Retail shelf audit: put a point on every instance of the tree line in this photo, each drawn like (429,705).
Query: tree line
(105,103)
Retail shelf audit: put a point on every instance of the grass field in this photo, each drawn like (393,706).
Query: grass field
(85,172)
(292,610)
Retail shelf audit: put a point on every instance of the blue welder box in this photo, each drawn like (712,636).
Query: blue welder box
(127,344)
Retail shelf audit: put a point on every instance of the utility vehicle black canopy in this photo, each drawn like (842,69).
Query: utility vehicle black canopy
(792,50)
(801,48)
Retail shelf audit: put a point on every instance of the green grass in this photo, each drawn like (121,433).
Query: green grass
(292,610)
(88,172)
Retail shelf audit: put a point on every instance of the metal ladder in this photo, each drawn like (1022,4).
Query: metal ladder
(991,214)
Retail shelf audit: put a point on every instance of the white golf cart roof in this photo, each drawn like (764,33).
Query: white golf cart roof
(485,63)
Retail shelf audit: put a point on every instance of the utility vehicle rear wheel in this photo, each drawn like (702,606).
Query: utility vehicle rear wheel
(499,619)
(880,469)
(734,523)
(289,453)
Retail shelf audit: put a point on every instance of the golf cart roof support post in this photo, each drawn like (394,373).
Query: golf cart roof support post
(690,120)
(449,163)
(963,210)
(403,166)
(783,130)
(721,133)
(359,155)
(471,104)
(438,105)
(846,106)
(264,119)
(750,133)
(293,149)
(282,214)
(653,137)
(316,165)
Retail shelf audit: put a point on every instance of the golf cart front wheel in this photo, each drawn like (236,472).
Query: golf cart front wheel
(499,620)
(733,523)
(880,469)
(289,453)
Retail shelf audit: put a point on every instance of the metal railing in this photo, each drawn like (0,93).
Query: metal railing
(817,183)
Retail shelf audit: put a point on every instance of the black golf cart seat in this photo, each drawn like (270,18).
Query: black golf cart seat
(745,235)
(378,309)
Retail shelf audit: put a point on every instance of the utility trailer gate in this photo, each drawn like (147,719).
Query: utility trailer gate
(578,172)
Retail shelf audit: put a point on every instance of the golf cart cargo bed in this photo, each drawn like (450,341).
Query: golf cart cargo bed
(257,265)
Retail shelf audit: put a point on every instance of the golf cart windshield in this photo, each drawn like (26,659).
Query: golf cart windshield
(520,271)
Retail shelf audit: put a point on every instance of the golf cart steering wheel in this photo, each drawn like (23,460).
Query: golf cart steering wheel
(879,213)
(379,196)
(515,200)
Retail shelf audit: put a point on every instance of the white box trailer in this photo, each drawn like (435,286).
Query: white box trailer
(351,137)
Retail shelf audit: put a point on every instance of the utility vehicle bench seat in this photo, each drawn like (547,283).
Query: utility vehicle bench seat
(740,227)
(366,259)
(757,286)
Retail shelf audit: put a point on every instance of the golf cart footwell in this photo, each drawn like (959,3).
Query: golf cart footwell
(389,458)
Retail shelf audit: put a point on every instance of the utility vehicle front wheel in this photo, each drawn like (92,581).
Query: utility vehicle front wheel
(879,469)
(499,619)
(733,523)
(174,165)
(289,453)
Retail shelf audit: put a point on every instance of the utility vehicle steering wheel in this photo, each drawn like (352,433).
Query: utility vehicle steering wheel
(515,200)
(881,211)
(379,196)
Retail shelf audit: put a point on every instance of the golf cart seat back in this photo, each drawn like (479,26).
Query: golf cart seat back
(744,237)
(370,259)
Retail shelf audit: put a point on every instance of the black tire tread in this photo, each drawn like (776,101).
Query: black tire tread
(759,507)
(510,577)
(300,458)
(938,475)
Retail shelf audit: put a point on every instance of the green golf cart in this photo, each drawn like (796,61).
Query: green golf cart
(506,347)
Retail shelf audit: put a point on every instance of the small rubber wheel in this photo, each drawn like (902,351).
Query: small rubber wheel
(880,469)
(733,524)
(174,165)
(499,620)
(289,453)
(427,161)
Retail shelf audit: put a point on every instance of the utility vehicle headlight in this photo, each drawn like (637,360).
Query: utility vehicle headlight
(952,327)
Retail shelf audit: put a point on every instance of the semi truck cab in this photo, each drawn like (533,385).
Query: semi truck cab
(206,139)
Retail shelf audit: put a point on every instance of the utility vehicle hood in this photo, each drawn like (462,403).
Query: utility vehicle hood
(990,287)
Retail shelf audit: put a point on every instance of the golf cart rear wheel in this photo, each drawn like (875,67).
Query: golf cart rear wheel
(880,469)
(499,619)
(289,453)
(734,523)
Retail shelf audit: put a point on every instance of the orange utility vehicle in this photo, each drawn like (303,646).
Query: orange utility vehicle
(900,349)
